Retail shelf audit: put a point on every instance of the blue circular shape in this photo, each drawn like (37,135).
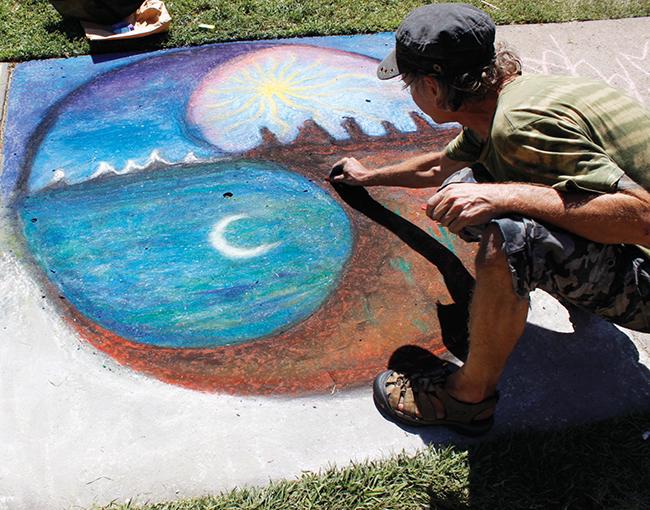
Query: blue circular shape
(137,253)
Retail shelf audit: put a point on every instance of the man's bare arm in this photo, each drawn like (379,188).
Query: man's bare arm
(611,218)
(424,171)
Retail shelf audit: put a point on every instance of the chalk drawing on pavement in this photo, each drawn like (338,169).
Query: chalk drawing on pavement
(626,77)
(175,207)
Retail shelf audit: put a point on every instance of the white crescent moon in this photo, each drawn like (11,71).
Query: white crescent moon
(220,244)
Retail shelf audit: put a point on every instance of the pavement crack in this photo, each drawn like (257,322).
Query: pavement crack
(100,478)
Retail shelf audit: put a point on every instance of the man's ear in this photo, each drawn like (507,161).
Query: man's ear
(431,81)
(432,84)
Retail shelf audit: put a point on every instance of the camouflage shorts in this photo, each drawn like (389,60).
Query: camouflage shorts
(610,280)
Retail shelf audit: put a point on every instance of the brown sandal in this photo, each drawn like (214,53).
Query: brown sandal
(419,391)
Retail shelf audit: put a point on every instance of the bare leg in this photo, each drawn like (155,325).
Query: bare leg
(497,320)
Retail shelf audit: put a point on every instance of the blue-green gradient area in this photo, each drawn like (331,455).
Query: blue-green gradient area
(134,253)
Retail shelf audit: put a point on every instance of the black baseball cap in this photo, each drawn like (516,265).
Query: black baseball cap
(441,40)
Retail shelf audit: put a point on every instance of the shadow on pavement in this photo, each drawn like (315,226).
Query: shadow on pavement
(553,380)
(569,429)
(458,280)
(557,380)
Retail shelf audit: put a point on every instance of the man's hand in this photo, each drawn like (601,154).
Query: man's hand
(462,205)
(350,171)
(426,170)
(609,218)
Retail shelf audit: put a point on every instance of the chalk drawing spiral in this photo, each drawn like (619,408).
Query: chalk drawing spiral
(192,237)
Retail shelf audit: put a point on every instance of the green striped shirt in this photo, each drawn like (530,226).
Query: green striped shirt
(562,131)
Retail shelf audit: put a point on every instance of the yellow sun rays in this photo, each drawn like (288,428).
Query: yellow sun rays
(274,88)
(280,89)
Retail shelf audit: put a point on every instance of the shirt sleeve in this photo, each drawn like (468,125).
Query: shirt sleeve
(465,147)
(557,153)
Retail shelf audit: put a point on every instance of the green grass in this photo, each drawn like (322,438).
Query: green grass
(32,29)
(604,465)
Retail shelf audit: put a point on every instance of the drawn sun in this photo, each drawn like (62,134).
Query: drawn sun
(274,89)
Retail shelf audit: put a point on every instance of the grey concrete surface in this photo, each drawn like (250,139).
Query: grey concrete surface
(4,83)
(77,429)
(615,51)
(4,77)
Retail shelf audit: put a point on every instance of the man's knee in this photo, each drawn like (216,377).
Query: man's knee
(491,255)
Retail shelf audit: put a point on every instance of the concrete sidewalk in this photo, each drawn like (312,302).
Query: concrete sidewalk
(79,429)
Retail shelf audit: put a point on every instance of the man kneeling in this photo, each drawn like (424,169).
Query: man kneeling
(566,207)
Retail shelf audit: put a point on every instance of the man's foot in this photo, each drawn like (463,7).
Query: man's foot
(421,399)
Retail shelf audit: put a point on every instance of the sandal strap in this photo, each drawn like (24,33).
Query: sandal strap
(429,387)
(424,386)
(464,412)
